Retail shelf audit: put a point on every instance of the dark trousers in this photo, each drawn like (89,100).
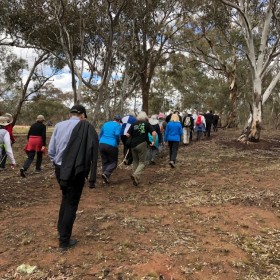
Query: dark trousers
(109,157)
(129,158)
(69,204)
(199,135)
(215,127)
(30,158)
(173,149)
(208,129)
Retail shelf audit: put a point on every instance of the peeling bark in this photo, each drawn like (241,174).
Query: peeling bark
(252,131)
(233,96)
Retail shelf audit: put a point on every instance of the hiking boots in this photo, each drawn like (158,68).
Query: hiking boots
(22,172)
(67,245)
(134,180)
(172,163)
(105,178)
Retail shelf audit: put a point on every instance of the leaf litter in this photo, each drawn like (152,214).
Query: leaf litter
(215,216)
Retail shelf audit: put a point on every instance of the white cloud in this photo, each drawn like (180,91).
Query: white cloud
(63,81)
(25,53)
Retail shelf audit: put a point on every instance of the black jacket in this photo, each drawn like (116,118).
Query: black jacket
(38,129)
(208,118)
(168,118)
(81,154)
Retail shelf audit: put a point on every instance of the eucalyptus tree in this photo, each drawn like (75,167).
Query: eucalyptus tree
(83,34)
(102,48)
(151,25)
(48,101)
(163,94)
(8,62)
(214,45)
(200,88)
(22,78)
(25,80)
(258,22)
(43,25)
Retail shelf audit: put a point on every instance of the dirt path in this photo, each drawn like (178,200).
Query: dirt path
(215,216)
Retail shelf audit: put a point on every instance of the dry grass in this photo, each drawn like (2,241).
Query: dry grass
(23,129)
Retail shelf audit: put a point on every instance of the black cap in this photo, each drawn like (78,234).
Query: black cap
(78,109)
(118,118)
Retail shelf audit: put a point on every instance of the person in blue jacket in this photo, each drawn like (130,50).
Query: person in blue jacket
(109,139)
(172,135)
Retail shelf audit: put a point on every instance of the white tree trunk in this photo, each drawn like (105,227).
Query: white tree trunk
(252,131)
(261,57)
(255,129)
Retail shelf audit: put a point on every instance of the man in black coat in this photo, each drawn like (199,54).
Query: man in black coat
(215,122)
(209,121)
(73,150)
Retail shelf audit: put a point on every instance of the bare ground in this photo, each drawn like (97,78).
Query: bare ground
(215,216)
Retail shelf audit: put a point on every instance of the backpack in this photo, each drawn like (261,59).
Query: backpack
(198,120)
(187,121)
(2,135)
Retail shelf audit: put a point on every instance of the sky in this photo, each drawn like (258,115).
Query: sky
(61,81)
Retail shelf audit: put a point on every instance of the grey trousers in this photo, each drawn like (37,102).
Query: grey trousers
(139,157)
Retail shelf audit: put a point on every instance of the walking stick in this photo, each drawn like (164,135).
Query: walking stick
(123,159)
(3,156)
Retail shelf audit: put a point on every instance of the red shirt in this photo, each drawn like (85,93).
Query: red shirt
(9,128)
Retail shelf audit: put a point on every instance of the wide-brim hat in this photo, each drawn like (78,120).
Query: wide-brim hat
(40,118)
(4,121)
(153,120)
(9,117)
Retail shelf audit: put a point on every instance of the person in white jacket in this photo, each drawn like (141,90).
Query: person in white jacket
(5,140)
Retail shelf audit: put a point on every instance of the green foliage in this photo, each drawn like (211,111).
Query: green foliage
(183,54)
(52,110)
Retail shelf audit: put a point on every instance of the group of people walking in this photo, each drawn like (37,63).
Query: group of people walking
(75,145)
(142,138)
(199,123)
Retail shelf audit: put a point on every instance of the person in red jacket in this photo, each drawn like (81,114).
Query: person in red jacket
(9,128)
(36,144)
